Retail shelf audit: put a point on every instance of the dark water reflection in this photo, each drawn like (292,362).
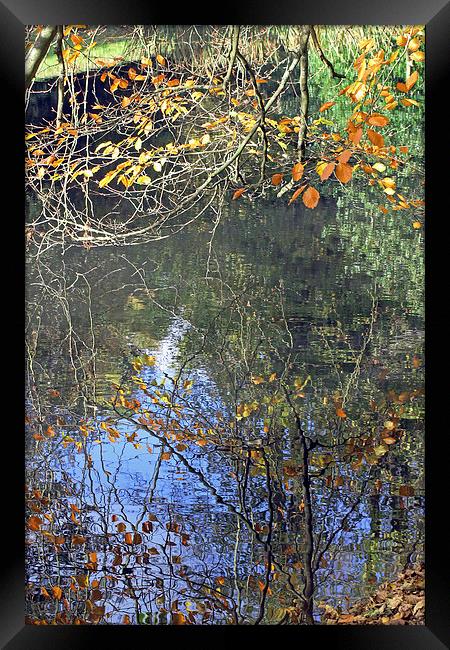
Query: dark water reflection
(197,512)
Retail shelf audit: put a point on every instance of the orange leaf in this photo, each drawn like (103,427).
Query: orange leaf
(375,138)
(128,538)
(341,413)
(376,119)
(325,106)
(296,194)
(173,82)
(57,592)
(161,60)
(178,618)
(343,172)
(354,134)
(412,79)
(297,171)
(78,539)
(238,193)
(276,179)
(311,197)
(34,523)
(327,171)
(344,156)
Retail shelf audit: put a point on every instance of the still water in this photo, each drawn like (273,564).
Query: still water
(171,387)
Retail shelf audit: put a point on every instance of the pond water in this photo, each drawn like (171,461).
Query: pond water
(167,385)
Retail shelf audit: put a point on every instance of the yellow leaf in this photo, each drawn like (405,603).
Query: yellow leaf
(418,56)
(161,60)
(144,180)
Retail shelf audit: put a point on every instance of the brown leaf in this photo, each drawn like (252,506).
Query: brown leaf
(238,193)
(276,179)
(34,523)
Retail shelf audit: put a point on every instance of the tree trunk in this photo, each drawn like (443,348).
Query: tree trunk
(304,97)
(37,53)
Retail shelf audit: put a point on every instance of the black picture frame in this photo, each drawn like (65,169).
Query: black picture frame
(14,15)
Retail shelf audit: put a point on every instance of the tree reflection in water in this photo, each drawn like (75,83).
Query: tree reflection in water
(240,461)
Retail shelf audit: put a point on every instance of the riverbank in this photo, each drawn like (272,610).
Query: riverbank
(401,602)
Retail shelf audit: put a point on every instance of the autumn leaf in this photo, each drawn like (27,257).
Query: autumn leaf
(343,172)
(297,171)
(376,119)
(34,523)
(276,179)
(178,618)
(411,81)
(161,60)
(296,194)
(341,413)
(344,156)
(375,138)
(325,170)
(418,56)
(238,193)
(326,106)
(354,133)
(311,197)
(57,592)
